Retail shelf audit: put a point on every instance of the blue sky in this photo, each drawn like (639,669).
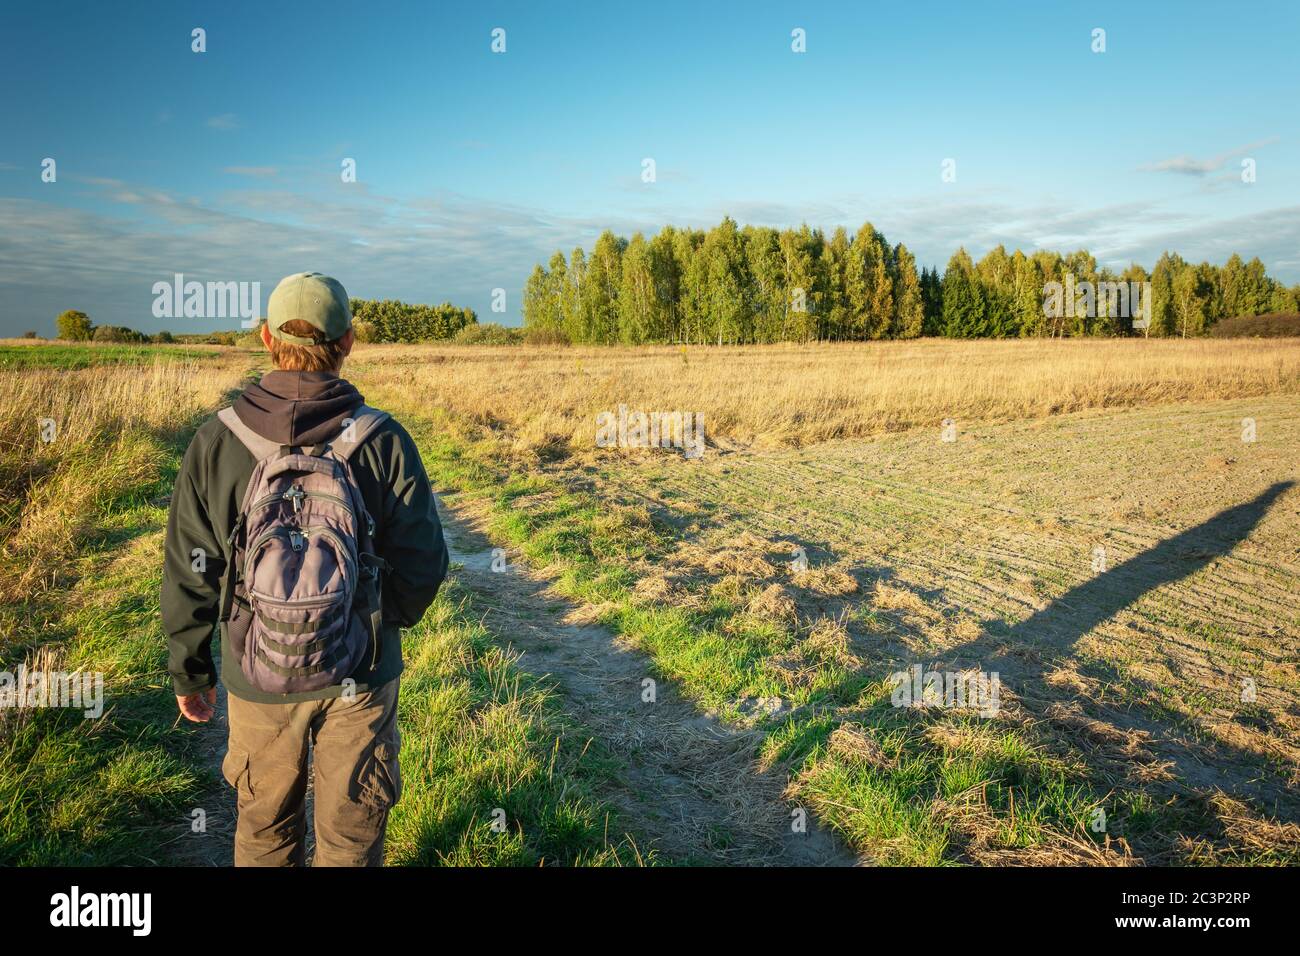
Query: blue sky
(473,165)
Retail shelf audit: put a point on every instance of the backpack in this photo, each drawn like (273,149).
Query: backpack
(301,600)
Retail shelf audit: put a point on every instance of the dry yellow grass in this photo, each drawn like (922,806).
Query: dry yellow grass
(796,395)
(105,426)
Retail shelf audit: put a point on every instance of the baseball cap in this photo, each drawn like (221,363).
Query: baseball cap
(313,298)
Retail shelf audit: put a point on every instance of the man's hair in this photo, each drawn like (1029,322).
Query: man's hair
(322,356)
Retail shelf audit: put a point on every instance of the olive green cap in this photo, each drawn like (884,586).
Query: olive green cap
(313,298)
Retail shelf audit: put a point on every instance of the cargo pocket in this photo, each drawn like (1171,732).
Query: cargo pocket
(235,769)
(381,778)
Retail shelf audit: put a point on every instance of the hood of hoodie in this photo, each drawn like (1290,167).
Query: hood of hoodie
(297,408)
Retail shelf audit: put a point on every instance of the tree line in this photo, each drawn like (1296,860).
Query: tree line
(73,325)
(755,284)
(373,320)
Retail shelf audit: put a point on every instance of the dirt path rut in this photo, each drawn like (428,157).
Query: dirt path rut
(691,787)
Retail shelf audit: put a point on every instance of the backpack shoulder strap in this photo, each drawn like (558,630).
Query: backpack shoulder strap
(364,421)
(259,447)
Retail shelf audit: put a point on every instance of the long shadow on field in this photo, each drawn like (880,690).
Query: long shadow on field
(1056,629)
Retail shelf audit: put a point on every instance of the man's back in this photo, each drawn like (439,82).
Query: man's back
(343,732)
(293,409)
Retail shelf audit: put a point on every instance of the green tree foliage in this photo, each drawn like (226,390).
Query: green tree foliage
(932,300)
(726,297)
(117,333)
(731,285)
(598,299)
(1162,293)
(392,321)
(574,279)
(635,305)
(963,299)
(1191,301)
(909,304)
(74,326)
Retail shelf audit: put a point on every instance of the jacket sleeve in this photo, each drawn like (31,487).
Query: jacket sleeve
(193,565)
(410,539)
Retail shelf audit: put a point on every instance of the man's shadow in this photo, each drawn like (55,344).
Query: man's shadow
(1052,633)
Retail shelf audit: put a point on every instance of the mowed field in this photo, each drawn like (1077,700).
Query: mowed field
(642,658)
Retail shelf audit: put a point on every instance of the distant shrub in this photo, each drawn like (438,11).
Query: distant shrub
(117,333)
(544,336)
(222,338)
(489,333)
(364,331)
(30,335)
(1271,325)
(163,338)
(74,326)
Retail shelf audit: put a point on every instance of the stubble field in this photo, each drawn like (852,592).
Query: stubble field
(1110,527)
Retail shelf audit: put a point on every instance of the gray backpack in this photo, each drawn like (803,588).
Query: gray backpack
(301,601)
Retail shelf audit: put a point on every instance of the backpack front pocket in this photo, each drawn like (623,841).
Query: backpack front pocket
(301,588)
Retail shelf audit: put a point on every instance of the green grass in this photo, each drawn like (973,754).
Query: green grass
(492,772)
(85,356)
(109,790)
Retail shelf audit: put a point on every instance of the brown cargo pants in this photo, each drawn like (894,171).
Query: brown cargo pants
(355,778)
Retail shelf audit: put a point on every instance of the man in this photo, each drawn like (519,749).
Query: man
(298,425)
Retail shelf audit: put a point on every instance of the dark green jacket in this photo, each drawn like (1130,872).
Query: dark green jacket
(293,408)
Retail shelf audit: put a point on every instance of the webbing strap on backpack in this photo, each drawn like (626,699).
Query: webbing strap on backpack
(364,422)
(259,447)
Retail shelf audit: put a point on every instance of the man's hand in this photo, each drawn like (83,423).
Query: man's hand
(198,707)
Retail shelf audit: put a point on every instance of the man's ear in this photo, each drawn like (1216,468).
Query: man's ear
(348,340)
(265,331)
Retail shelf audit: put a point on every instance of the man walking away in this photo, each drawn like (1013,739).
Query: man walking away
(304,530)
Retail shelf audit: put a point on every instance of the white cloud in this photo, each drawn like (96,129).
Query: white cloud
(1187,166)
(226,121)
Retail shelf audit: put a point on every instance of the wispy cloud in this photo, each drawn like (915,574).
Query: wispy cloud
(257,172)
(226,121)
(1187,166)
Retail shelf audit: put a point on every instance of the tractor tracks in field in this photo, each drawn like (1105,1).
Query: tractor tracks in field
(690,786)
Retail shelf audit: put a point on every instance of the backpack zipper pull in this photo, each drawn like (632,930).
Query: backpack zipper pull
(294,494)
(296,539)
